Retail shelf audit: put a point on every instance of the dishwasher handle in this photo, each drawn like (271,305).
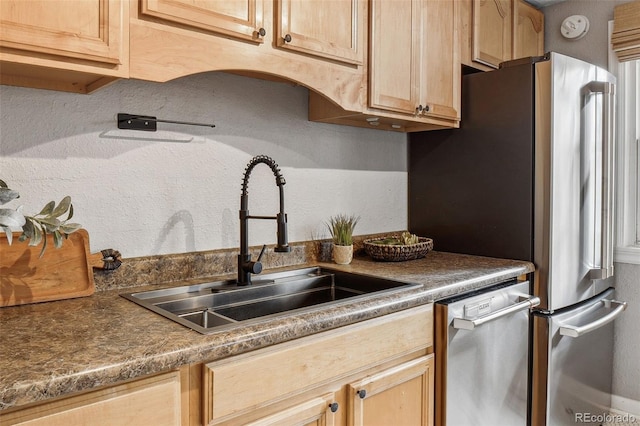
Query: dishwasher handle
(577,331)
(470,324)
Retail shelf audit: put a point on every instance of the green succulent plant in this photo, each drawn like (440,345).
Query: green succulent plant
(341,228)
(35,228)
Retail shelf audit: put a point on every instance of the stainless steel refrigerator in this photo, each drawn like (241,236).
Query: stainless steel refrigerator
(529,175)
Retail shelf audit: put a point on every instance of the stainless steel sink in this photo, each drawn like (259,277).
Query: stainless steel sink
(209,306)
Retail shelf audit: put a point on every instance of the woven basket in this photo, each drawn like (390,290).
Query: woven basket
(398,253)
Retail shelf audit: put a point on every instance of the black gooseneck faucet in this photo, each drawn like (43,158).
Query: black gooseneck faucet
(246,266)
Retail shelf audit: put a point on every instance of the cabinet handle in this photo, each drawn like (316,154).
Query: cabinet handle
(287,38)
(362,393)
(419,108)
(334,407)
(262,32)
(426,108)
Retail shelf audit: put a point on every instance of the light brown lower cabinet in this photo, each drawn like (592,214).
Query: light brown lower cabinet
(401,395)
(376,372)
(153,400)
(319,411)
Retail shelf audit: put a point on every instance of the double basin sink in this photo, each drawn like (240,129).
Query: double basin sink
(209,307)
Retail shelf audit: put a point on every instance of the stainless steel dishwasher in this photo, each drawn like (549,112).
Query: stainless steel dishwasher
(482,356)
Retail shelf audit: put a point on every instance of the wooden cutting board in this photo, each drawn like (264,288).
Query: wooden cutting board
(60,273)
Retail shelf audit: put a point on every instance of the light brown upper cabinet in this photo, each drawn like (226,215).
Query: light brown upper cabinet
(330,29)
(528,30)
(89,39)
(413,76)
(439,67)
(325,50)
(238,18)
(87,30)
(494,31)
(395,55)
(413,63)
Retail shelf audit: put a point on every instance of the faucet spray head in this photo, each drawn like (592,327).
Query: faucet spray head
(283,244)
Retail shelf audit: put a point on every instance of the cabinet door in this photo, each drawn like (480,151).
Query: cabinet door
(315,412)
(395,55)
(91,30)
(528,30)
(402,395)
(492,31)
(330,29)
(236,18)
(440,68)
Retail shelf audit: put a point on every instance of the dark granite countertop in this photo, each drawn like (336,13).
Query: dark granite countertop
(56,348)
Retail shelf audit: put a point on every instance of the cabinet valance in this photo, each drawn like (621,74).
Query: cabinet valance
(625,38)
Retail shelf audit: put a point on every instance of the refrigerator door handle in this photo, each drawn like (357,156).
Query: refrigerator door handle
(577,331)
(470,324)
(606,226)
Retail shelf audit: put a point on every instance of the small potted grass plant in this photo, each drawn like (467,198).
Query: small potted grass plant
(341,228)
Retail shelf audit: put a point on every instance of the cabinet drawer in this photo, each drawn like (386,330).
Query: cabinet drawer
(248,382)
(154,400)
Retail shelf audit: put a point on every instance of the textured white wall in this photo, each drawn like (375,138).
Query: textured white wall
(148,193)
(594,48)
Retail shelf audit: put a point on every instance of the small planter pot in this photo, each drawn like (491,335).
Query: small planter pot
(342,255)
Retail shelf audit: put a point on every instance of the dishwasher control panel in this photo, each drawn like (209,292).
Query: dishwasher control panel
(478,307)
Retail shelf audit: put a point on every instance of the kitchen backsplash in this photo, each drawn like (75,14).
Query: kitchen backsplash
(197,266)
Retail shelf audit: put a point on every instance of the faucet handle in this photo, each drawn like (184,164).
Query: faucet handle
(253,267)
(256,267)
(264,248)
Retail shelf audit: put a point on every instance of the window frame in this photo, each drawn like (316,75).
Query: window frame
(627,248)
